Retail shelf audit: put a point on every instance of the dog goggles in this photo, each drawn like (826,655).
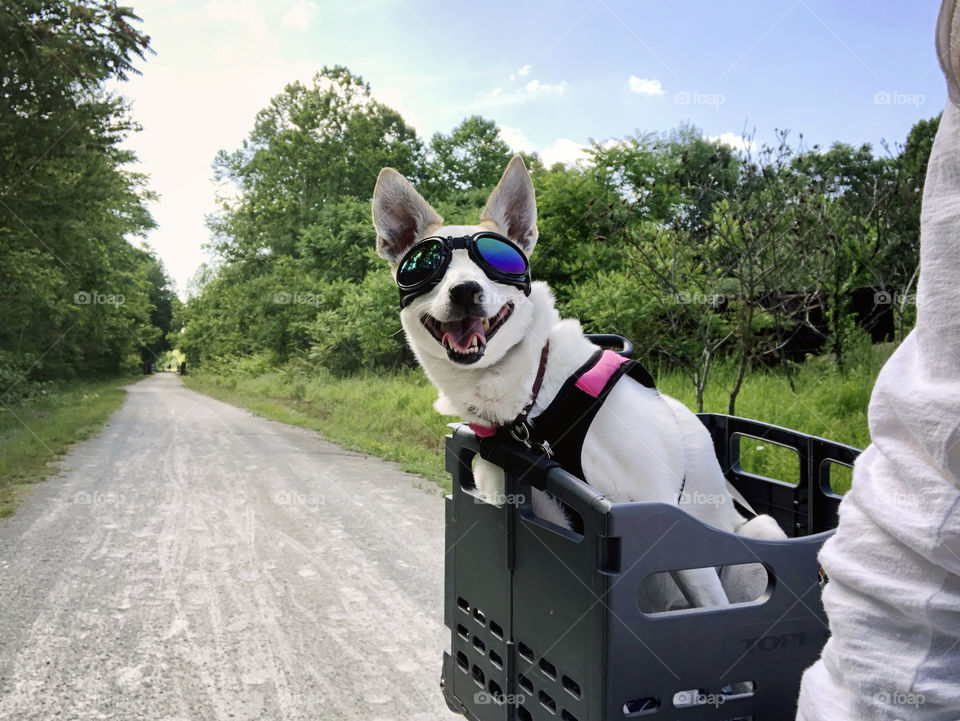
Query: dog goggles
(423,266)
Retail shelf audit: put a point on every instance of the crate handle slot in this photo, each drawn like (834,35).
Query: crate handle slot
(650,602)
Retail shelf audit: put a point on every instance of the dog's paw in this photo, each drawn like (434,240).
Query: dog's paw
(489,481)
(444,406)
(549,509)
(763,528)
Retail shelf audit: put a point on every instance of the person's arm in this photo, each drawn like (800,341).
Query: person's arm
(893,598)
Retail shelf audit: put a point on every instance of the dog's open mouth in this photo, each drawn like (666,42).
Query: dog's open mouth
(466,339)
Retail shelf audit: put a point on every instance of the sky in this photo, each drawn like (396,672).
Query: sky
(554,76)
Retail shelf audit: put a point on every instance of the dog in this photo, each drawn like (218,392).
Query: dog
(495,347)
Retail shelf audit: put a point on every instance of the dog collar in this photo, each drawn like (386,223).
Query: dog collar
(485,431)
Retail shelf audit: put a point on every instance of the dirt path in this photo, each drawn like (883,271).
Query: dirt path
(195,562)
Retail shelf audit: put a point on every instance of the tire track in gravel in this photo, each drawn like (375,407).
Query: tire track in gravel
(195,562)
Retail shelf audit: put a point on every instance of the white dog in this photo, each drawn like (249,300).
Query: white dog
(495,347)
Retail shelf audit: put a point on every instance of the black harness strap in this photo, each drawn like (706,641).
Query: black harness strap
(561,429)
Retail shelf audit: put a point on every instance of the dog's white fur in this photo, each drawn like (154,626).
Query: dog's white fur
(641,445)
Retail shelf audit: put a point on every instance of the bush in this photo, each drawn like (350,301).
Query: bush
(365,331)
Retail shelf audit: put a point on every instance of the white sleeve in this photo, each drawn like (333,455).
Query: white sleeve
(893,598)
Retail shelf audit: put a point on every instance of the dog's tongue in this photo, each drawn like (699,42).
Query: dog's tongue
(460,333)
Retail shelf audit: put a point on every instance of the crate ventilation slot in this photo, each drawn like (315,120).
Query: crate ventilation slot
(694,697)
(547,702)
(553,696)
(572,687)
(641,706)
(525,683)
(548,669)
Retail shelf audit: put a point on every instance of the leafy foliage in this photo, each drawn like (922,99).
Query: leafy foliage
(75,296)
(699,252)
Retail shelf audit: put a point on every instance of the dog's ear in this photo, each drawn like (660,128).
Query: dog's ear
(513,207)
(400,215)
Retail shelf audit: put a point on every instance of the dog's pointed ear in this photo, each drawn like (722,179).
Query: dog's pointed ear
(400,215)
(513,206)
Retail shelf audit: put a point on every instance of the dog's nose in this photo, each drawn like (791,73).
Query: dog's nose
(467,295)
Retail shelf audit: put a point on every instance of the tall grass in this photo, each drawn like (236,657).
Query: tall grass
(390,414)
(35,432)
(827,402)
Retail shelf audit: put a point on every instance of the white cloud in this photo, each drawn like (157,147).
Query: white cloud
(645,86)
(515,138)
(533,89)
(737,142)
(299,14)
(563,151)
(524,71)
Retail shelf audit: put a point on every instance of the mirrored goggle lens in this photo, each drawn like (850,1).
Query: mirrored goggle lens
(502,256)
(420,263)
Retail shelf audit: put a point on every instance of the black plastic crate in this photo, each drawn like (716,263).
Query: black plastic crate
(545,622)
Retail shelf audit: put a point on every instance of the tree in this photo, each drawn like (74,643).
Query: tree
(74,297)
(309,147)
(472,156)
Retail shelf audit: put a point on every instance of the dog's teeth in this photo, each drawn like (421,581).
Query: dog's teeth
(486,325)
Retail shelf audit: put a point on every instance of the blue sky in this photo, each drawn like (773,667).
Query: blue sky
(553,75)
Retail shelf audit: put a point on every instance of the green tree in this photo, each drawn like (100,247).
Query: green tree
(472,156)
(74,296)
(311,146)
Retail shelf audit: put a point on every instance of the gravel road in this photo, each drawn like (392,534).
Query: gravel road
(195,562)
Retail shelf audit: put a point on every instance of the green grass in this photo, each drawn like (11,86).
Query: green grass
(36,432)
(827,403)
(391,415)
